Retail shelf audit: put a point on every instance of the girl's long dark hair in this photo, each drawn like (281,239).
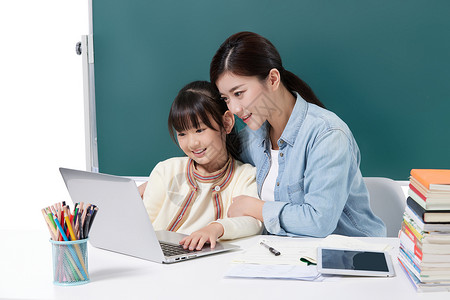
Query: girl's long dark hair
(196,103)
(249,54)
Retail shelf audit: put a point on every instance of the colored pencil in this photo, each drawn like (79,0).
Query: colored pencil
(51,229)
(65,226)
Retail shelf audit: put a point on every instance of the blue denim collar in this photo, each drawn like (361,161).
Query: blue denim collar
(295,121)
(262,134)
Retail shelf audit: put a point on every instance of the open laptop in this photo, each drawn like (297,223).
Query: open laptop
(122,224)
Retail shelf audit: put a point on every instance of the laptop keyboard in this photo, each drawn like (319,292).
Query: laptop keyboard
(170,249)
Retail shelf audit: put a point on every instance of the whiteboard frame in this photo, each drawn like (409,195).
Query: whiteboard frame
(90,120)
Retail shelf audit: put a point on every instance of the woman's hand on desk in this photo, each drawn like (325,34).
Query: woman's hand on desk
(141,189)
(246,206)
(208,234)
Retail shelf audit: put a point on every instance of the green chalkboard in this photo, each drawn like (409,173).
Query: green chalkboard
(382,66)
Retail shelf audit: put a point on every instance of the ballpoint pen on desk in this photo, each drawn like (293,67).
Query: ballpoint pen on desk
(271,249)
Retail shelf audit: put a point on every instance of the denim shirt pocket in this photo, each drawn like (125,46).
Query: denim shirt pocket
(296,191)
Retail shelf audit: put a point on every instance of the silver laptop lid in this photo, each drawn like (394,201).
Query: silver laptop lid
(122,223)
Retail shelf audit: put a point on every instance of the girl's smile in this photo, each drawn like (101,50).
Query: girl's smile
(199,153)
(206,146)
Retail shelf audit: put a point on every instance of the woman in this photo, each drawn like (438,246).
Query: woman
(306,157)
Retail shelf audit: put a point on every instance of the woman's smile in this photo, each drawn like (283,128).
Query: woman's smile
(246,118)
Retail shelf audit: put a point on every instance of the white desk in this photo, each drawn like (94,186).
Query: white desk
(26,273)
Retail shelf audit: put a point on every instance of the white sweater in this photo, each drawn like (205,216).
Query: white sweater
(168,187)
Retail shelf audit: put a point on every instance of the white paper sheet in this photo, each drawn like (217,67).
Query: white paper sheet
(308,273)
(293,249)
(259,262)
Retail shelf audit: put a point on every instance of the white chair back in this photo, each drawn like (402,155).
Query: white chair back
(387,201)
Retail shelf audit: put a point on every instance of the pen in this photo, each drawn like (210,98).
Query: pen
(271,249)
(79,225)
(92,218)
(83,219)
(87,221)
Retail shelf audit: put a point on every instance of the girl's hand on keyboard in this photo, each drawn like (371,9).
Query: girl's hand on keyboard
(208,234)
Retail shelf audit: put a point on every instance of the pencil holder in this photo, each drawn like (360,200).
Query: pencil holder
(70,262)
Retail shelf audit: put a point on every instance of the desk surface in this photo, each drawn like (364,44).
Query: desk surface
(26,273)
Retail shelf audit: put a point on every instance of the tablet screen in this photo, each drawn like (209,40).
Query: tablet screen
(354,262)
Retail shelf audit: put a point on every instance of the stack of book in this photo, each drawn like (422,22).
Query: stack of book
(425,236)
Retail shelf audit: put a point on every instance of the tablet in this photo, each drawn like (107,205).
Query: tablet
(354,262)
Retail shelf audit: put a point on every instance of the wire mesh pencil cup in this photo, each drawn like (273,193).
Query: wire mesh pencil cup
(70,262)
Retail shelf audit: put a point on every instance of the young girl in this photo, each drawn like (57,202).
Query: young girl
(192,194)
(306,157)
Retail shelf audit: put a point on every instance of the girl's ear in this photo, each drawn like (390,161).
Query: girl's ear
(274,79)
(228,121)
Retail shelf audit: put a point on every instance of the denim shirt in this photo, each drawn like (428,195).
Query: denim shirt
(319,189)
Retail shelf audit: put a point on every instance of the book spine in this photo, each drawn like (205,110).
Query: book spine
(416,173)
(409,245)
(411,262)
(416,198)
(412,218)
(411,229)
(418,193)
(416,207)
(412,278)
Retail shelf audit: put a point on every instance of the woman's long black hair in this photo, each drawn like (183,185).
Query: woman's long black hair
(249,54)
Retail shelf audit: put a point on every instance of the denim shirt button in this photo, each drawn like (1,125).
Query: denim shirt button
(281,154)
